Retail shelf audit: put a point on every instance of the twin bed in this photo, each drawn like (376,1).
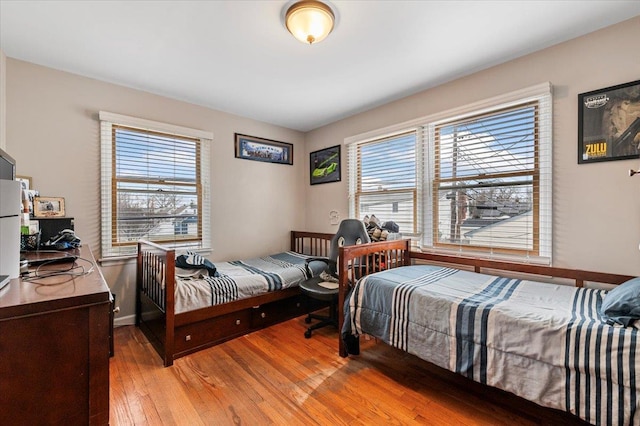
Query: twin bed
(545,342)
(181,313)
(499,323)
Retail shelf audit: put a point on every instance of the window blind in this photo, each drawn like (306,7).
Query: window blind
(483,177)
(384,180)
(153,188)
(491,181)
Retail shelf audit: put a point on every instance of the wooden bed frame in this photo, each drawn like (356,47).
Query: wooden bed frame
(176,335)
(359,260)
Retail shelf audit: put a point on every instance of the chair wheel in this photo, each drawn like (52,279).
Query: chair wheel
(307,320)
(307,334)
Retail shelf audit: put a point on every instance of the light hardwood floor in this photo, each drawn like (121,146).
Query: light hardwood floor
(276,376)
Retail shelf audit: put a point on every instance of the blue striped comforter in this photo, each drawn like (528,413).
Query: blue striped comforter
(544,342)
(242,279)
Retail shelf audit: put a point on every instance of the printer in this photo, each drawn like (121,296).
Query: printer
(10,206)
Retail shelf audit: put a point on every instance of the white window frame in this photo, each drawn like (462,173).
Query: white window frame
(540,93)
(354,190)
(107,121)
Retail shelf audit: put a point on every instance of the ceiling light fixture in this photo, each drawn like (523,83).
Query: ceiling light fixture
(309,21)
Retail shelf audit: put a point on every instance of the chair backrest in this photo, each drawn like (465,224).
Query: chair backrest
(350,232)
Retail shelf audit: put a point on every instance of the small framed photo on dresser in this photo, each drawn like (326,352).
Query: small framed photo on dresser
(48,207)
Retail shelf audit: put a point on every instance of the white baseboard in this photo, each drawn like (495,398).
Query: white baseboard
(128,320)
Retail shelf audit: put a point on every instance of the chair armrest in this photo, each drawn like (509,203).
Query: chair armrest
(317,259)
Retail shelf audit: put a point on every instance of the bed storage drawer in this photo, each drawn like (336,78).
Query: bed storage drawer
(213,330)
(274,312)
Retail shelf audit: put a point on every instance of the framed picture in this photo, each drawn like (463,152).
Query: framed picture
(48,207)
(25,181)
(609,123)
(324,165)
(266,150)
(28,193)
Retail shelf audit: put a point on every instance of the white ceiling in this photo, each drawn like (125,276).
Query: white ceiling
(237,56)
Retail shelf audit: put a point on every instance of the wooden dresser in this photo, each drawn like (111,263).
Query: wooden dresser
(54,348)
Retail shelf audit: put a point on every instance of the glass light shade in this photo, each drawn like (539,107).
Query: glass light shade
(309,21)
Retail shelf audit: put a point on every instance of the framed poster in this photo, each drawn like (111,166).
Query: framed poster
(324,165)
(266,150)
(609,123)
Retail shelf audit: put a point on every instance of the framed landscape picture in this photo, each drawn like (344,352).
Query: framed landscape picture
(325,165)
(609,123)
(265,150)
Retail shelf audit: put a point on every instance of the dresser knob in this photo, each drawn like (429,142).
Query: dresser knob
(237,322)
(263,315)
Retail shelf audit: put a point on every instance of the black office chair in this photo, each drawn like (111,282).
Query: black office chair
(350,232)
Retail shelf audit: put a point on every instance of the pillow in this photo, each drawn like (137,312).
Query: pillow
(192,260)
(622,304)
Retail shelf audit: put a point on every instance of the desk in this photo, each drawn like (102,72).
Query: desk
(54,348)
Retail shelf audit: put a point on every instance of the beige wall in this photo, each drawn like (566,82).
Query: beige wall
(3,100)
(596,207)
(53,133)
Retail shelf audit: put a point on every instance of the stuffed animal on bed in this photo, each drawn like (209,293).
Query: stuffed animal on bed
(379,231)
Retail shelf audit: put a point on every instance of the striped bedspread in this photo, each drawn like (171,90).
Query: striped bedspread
(243,278)
(544,342)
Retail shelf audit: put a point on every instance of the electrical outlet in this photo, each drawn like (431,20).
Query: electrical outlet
(334,217)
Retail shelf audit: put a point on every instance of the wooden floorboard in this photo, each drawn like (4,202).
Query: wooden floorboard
(276,376)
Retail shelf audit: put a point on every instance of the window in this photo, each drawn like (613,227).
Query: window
(486,185)
(474,180)
(152,185)
(383,180)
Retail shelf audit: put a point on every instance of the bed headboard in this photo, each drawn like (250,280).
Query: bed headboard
(311,243)
(577,277)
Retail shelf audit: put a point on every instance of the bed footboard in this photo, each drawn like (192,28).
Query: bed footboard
(362,259)
(155,285)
